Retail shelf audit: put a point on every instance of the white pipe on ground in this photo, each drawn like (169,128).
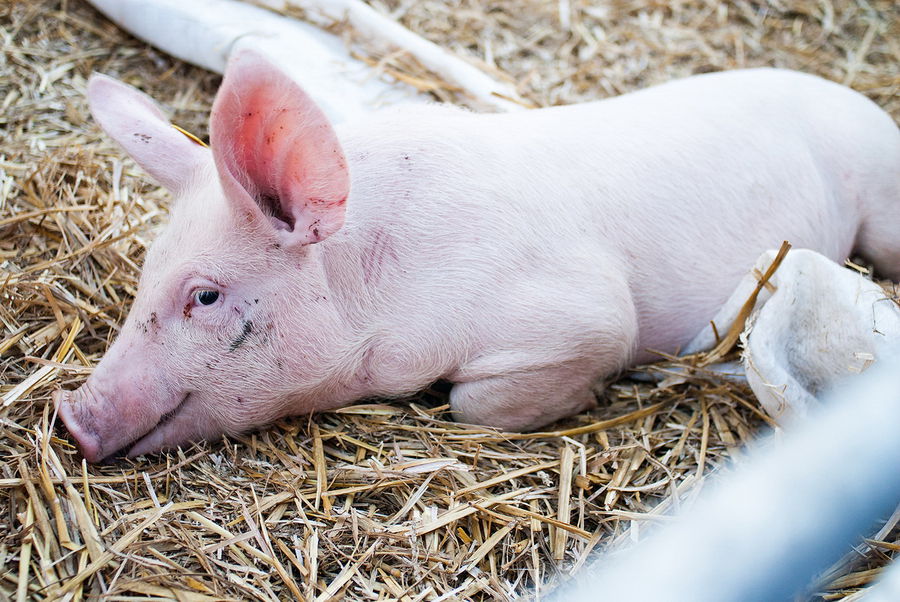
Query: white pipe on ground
(385,31)
(205,32)
(766,529)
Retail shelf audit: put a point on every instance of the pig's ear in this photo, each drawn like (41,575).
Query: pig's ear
(133,120)
(277,155)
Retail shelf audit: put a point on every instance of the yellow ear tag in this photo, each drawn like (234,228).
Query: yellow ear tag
(190,135)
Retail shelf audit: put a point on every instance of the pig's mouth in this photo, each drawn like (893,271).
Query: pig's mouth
(168,416)
(142,444)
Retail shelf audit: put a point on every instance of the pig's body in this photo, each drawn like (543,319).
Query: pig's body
(521,256)
(514,250)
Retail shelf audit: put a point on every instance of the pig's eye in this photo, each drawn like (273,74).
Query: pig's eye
(206,297)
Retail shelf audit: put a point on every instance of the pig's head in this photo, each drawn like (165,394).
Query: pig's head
(226,312)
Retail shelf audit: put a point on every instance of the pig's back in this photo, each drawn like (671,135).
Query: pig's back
(682,185)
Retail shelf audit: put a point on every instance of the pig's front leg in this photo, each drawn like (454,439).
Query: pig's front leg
(579,338)
(526,400)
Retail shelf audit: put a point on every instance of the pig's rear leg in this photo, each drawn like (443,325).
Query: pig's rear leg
(880,244)
(877,190)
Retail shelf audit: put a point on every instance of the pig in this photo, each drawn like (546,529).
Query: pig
(522,257)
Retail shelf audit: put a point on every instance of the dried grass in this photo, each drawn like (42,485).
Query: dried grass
(376,502)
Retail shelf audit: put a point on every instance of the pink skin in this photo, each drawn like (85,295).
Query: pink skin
(520,256)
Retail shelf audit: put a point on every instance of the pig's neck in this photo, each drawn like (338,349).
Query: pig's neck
(356,269)
(331,370)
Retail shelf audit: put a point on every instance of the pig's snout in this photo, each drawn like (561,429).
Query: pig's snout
(78,416)
(130,417)
(104,417)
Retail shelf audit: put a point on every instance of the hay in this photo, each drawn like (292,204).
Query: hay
(375,502)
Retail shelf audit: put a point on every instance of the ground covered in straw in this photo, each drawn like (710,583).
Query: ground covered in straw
(377,502)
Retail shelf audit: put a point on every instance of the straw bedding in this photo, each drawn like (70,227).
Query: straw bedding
(376,502)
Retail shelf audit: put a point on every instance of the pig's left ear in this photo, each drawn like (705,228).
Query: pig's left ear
(277,155)
(134,121)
